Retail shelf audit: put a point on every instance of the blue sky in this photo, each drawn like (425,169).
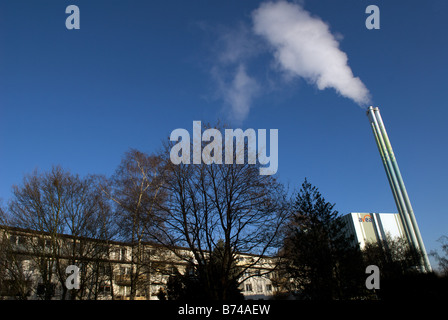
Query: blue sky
(136,70)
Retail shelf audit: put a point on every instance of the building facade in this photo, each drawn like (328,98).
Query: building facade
(33,266)
(373,227)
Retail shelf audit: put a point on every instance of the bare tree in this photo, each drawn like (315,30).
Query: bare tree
(15,278)
(38,205)
(230,204)
(89,223)
(64,214)
(103,233)
(135,189)
(442,260)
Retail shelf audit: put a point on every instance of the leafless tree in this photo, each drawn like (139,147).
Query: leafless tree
(38,205)
(442,260)
(104,232)
(230,204)
(135,189)
(14,276)
(64,214)
(89,223)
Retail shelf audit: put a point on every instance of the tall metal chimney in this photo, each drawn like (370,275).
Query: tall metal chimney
(397,185)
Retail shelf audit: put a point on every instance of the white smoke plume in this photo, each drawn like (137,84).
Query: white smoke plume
(304,46)
(234,48)
(241,92)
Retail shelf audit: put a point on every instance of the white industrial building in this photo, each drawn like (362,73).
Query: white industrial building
(373,227)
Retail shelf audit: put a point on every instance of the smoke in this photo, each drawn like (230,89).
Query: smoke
(303,46)
(238,92)
(233,50)
(241,93)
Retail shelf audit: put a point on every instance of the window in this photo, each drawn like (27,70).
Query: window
(104,289)
(101,249)
(248,287)
(104,269)
(44,243)
(269,287)
(47,289)
(115,254)
(173,270)
(123,254)
(22,240)
(13,240)
(124,270)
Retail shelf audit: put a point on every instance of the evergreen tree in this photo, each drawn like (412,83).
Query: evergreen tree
(320,259)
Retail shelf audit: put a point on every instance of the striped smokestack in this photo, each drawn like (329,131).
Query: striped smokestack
(397,185)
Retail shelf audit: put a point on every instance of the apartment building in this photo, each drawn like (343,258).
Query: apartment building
(33,265)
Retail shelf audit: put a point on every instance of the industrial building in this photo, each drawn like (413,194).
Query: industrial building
(373,227)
